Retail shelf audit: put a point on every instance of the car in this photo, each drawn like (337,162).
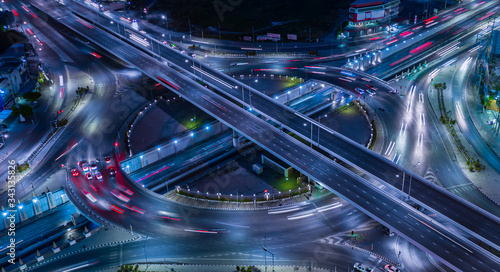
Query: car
(362,268)
(116,209)
(89,195)
(371,87)
(98,175)
(372,93)
(89,176)
(134,208)
(393,91)
(391,268)
(111,170)
(93,165)
(75,173)
(107,159)
(85,167)
(3,126)
(34,104)
(359,90)
(120,196)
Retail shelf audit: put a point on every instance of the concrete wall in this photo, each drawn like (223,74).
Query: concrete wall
(296,92)
(164,150)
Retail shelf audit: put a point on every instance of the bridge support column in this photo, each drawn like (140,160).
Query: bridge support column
(236,139)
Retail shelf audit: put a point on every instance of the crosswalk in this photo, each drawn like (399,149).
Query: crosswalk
(461,188)
(430,176)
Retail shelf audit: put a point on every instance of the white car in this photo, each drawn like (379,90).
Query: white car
(89,195)
(85,167)
(89,176)
(93,166)
(98,175)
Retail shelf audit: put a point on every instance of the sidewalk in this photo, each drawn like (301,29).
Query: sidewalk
(483,181)
(233,205)
(481,118)
(216,268)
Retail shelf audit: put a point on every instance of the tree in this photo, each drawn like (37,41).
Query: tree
(32,96)
(26,110)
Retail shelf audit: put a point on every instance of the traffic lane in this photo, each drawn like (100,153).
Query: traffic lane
(249,253)
(217,110)
(375,167)
(190,215)
(394,60)
(69,137)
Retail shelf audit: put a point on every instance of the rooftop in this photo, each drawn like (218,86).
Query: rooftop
(14,51)
(367,3)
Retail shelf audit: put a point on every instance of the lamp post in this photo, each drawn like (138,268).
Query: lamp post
(272,254)
(411,175)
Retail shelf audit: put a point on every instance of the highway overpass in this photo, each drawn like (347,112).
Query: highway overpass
(377,203)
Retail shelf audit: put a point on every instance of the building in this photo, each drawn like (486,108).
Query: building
(371,16)
(13,73)
(495,43)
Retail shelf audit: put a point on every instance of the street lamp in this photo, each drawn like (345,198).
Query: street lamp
(267,250)
(411,175)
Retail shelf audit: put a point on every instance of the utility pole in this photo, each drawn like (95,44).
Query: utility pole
(189,20)
(253,35)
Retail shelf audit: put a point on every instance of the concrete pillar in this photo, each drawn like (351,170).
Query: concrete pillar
(39,256)
(36,205)
(236,139)
(22,266)
(86,232)
(50,200)
(71,240)
(55,248)
(141,158)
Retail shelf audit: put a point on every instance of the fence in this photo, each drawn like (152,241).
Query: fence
(265,196)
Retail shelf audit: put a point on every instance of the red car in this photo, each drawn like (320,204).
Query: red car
(75,173)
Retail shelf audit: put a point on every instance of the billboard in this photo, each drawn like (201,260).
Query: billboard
(261,37)
(291,36)
(273,36)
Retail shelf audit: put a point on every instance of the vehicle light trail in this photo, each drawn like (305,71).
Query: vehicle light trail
(154,173)
(168,83)
(400,60)
(441,233)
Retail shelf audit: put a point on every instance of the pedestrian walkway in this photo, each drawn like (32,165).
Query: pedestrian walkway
(483,181)
(482,119)
(216,268)
(234,205)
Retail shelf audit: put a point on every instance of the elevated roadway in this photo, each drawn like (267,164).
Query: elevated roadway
(377,203)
